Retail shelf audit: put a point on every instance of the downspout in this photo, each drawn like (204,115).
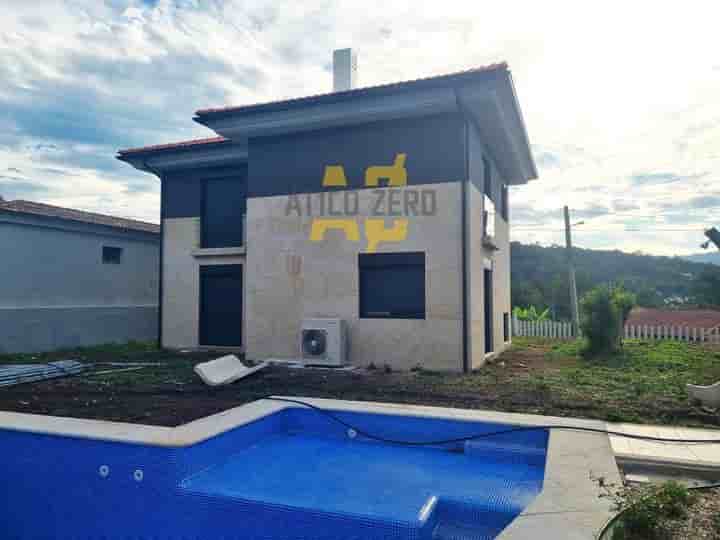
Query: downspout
(463,240)
(162,244)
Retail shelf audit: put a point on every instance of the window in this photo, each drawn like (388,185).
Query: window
(504,203)
(489,218)
(488,204)
(506,327)
(223,212)
(487,177)
(392,285)
(111,255)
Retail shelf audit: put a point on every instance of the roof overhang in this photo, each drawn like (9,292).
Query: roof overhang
(495,112)
(163,160)
(487,100)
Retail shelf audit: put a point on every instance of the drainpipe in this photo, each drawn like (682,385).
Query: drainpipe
(463,239)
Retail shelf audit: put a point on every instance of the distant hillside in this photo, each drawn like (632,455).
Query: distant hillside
(711,257)
(539,277)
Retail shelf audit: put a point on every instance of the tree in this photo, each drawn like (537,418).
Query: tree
(603,312)
(706,289)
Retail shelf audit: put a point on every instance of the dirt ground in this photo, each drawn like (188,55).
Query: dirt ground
(174,395)
(530,378)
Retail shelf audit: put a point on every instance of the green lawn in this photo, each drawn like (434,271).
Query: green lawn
(645,381)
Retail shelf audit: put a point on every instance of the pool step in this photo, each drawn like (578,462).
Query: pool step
(458,531)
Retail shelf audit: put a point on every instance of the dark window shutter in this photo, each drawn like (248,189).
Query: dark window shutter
(392,285)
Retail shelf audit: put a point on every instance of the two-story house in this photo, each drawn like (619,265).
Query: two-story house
(385,206)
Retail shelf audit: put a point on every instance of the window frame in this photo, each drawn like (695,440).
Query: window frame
(415,260)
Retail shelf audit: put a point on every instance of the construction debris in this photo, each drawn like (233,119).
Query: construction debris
(709,395)
(108,371)
(225,370)
(13,374)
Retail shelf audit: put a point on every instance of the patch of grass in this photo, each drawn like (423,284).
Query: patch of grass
(643,373)
(642,383)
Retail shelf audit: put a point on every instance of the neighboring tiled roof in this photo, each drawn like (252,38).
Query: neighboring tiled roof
(356,92)
(47,210)
(172,146)
(693,318)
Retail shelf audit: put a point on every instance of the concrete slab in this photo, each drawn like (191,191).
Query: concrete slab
(695,455)
(707,395)
(569,506)
(225,370)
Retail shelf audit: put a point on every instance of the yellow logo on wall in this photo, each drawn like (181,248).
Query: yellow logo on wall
(375,230)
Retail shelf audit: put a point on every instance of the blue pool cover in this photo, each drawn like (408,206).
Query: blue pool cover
(294,474)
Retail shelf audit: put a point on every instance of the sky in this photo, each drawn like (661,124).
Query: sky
(621,99)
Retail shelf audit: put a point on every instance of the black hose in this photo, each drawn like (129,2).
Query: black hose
(440,442)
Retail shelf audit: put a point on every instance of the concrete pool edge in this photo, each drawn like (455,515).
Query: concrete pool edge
(569,506)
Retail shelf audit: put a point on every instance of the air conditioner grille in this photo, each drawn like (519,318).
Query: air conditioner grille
(314,342)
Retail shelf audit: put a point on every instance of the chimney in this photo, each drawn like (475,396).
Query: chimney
(344,70)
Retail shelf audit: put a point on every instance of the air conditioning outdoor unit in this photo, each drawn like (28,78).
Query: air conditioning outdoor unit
(324,342)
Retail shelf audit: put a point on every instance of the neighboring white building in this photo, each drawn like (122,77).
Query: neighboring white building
(276,221)
(72,278)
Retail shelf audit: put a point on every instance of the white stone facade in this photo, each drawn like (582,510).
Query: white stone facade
(290,278)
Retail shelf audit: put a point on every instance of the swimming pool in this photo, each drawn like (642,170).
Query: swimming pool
(292,473)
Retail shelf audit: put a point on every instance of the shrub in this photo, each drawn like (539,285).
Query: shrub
(531,313)
(651,511)
(604,311)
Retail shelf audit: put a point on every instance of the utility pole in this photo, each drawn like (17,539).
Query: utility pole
(571,275)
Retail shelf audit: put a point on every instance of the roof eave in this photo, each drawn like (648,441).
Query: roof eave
(165,160)
(495,112)
(359,110)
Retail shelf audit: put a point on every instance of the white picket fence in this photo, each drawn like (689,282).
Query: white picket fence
(677,333)
(563,330)
(545,329)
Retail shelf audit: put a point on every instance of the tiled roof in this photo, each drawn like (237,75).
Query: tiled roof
(355,92)
(693,318)
(172,146)
(331,96)
(47,210)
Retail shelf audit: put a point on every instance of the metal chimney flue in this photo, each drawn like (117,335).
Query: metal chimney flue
(344,70)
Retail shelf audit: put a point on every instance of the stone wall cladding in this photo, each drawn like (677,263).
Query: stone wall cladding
(289,278)
(181,281)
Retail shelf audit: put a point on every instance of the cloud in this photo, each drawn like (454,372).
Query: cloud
(83,78)
(591,211)
(622,205)
(663,178)
(547,160)
(705,201)
(19,188)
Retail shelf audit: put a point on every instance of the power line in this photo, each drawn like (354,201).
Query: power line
(607,229)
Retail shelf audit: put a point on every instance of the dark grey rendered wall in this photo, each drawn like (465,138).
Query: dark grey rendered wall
(55,291)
